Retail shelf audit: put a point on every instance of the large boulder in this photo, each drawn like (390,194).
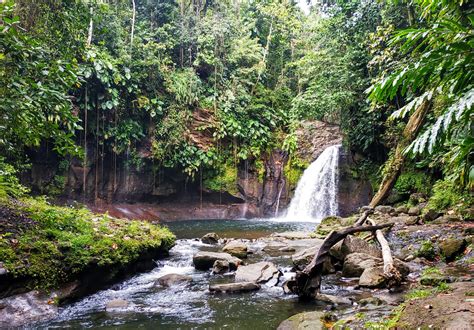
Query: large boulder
(372,277)
(173,279)
(352,244)
(221,267)
(22,309)
(234,287)
(451,247)
(356,263)
(204,260)
(308,320)
(304,257)
(236,248)
(210,238)
(259,272)
(116,305)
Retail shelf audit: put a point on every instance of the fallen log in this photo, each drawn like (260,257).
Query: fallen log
(391,273)
(307,283)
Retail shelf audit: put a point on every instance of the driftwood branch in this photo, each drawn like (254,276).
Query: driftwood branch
(308,282)
(391,273)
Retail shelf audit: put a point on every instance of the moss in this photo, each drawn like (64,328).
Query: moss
(427,250)
(418,294)
(64,241)
(294,170)
(390,322)
(224,180)
(446,195)
(413,181)
(331,223)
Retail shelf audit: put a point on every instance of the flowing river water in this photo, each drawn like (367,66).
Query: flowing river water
(192,306)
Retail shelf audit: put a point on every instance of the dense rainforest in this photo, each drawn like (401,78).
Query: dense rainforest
(205,91)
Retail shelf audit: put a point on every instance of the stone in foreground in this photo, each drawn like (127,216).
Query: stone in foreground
(309,320)
(210,238)
(234,287)
(205,260)
(173,279)
(115,305)
(259,272)
(236,248)
(21,309)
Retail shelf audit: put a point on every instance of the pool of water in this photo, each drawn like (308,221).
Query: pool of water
(191,306)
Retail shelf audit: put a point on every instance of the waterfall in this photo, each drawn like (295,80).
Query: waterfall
(316,194)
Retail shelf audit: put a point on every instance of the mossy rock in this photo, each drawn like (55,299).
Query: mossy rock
(331,223)
(427,250)
(451,247)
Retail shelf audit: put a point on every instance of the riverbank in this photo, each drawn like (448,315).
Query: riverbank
(46,248)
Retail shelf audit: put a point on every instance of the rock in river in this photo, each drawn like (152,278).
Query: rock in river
(236,248)
(210,238)
(116,305)
(173,279)
(30,307)
(308,320)
(204,260)
(220,267)
(356,263)
(259,272)
(234,287)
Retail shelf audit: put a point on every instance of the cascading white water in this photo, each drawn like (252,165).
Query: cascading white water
(316,194)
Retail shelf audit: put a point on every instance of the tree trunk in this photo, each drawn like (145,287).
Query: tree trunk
(91,28)
(308,282)
(134,12)
(394,164)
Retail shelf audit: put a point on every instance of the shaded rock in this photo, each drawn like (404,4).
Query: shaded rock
(234,287)
(401,209)
(435,279)
(274,247)
(352,244)
(236,248)
(371,301)
(22,309)
(408,220)
(308,320)
(417,198)
(173,279)
(304,257)
(447,218)
(210,238)
(204,260)
(415,210)
(335,300)
(259,272)
(384,209)
(451,247)
(293,235)
(287,249)
(221,267)
(372,277)
(356,263)
(116,304)
(431,215)
(3,270)
(427,250)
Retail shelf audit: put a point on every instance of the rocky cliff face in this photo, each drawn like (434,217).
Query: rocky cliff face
(263,190)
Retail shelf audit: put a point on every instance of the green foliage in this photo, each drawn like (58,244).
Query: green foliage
(437,64)
(224,179)
(413,181)
(34,87)
(9,183)
(63,241)
(427,250)
(294,169)
(418,294)
(448,195)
